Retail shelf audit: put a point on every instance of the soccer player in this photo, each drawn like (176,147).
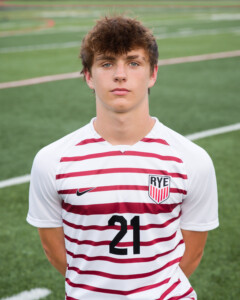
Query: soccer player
(123,204)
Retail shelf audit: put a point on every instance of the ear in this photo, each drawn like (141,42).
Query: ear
(153,77)
(89,80)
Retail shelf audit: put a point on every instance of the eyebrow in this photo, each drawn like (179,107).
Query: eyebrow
(130,57)
(113,58)
(104,57)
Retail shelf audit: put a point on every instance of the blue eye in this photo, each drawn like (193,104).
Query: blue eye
(107,65)
(134,64)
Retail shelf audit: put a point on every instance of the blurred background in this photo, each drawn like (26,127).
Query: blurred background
(43,38)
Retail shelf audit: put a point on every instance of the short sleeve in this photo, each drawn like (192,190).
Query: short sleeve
(44,201)
(200,207)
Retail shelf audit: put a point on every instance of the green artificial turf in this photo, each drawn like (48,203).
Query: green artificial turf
(218,274)
(23,262)
(204,94)
(35,116)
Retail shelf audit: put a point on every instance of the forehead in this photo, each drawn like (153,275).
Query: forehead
(133,54)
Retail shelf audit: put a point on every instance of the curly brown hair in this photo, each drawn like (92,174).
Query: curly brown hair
(117,35)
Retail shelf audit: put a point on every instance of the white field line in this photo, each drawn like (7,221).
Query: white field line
(14,181)
(181,33)
(34,294)
(212,132)
(189,33)
(225,17)
(196,58)
(44,31)
(40,47)
(170,61)
(192,137)
(37,80)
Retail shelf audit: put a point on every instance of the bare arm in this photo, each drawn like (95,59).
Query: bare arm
(54,246)
(195,242)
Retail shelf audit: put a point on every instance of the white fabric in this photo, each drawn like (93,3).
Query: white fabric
(200,207)
(119,178)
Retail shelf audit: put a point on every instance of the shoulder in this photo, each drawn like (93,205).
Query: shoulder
(50,155)
(200,205)
(194,157)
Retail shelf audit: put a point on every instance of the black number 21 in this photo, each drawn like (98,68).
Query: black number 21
(136,235)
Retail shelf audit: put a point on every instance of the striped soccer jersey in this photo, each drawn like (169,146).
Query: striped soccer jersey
(122,208)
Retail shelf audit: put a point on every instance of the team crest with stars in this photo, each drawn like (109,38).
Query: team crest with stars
(159,188)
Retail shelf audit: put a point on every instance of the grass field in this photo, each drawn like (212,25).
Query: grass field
(39,38)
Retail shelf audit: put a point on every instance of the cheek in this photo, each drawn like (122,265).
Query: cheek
(101,89)
(101,81)
(144,82)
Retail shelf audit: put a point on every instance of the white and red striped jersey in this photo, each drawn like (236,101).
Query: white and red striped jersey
(122,209)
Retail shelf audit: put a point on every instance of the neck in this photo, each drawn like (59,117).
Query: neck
(123,129)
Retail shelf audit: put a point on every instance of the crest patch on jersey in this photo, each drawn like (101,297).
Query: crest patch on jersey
(159,188)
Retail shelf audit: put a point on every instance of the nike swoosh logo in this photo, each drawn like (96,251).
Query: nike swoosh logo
(83,192)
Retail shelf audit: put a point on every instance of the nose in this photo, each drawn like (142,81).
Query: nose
(120,73)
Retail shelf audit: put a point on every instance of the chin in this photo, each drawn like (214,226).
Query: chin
(121,106)
(120,110)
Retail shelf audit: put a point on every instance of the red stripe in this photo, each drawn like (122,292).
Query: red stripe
(147,154)
(164,192)
(90,156)
(116,292)
(106,188)
(169,290)
(125,207)
(184,295)
(125,277)
(120,170)
(158,196)
(178,191)
(116,227)
(121,244)
(155,193)
(123,260)
(119,153)
(159,141)
(70,298)
(90,141)
(117,188)
(158,191)
(149,243)
(145,140)
(87,242)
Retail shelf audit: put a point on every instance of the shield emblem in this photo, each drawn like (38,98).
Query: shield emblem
(159,188)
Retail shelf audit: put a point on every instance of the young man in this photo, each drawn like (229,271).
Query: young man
(123,205)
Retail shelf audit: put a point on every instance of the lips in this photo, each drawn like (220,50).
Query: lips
(120,91)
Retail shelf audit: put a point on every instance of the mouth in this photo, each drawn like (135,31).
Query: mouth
(120,91)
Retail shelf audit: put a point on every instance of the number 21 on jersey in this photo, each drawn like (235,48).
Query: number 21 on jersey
(123,230)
